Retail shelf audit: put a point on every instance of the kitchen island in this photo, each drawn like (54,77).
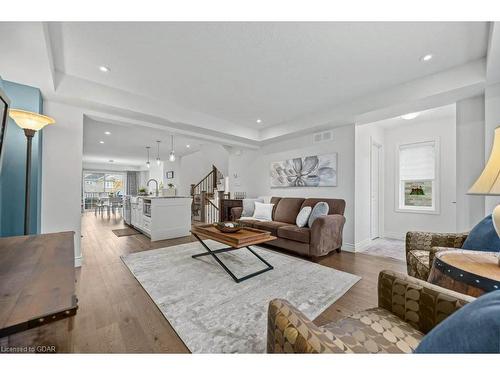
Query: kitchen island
(161,218)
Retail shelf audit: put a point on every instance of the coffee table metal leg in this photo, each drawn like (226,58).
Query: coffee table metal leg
(226,249)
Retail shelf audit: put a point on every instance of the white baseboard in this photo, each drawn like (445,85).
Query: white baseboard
(361,244)
(78,261)
(395,235)
(348,247)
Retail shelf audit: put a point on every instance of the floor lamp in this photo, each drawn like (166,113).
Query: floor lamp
(488,182)
(30,122)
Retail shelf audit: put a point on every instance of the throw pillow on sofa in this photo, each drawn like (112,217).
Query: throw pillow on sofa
(320,209)
(483,237)
(249,206)
(475,328)
(263,211)
(303,216)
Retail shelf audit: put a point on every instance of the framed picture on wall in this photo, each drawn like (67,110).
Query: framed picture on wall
(307,171)
(169,174)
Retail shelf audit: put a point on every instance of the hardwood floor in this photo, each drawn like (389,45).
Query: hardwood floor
(116,315)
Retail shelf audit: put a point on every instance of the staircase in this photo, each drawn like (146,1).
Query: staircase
(206,195)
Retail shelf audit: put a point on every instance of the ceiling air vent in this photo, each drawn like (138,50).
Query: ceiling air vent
(323,136)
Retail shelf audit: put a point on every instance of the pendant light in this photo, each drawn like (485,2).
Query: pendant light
(171,157)
(147,163)
(158,161)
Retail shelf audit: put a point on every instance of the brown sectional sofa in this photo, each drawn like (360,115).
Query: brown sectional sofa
(324,236)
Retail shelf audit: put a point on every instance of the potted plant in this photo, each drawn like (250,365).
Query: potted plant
(143,191)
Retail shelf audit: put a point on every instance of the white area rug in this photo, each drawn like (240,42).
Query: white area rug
(213,314)
(386,247)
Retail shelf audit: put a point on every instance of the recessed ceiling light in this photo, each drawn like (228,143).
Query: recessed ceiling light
(101,142)
(188,146)
(107,133)
(410,116)
(104,69)
(259,121)
(426,57)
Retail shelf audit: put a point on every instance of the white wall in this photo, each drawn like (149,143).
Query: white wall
(252,169)
(62,172)
(195,166)
(365,135)
(396,224)
(470,160)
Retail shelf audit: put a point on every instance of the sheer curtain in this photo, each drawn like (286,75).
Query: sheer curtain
(131,183)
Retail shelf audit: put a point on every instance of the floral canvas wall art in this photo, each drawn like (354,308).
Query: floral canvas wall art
(319,170)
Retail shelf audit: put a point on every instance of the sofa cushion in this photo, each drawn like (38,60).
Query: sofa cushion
(375,331)
(249,206)
(483,237)
(287,210)
(303,217)
(320,209)
(270,226)
(336,206)
(295,233)
(263,211)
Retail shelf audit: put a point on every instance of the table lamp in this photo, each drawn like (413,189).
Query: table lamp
(30,122)
(488,182)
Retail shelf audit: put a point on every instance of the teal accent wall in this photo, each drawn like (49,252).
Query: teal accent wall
(13,172)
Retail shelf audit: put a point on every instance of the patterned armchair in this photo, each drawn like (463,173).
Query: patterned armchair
(422,246)
(407,309)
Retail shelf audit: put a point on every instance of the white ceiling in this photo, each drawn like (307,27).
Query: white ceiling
(430,115)
(239,71)
(213,80)
(126,145)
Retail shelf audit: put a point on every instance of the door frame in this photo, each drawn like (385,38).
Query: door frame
(379,147)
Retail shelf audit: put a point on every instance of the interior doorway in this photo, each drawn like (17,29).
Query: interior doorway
(375,189)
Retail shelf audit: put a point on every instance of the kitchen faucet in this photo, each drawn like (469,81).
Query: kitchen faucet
(156,182)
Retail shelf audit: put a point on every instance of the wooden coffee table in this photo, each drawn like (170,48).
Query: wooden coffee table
(465,271)
(244,238)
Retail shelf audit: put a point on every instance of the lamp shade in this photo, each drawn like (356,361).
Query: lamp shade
(30,120)
(488,182)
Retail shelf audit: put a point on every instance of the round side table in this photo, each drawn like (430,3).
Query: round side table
(468,272)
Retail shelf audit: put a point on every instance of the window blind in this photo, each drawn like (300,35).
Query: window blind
(417,161)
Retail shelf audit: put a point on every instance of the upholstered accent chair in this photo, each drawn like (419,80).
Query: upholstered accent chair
(407,309)
(422,246)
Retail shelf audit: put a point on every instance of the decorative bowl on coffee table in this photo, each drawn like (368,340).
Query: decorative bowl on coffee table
(228,226)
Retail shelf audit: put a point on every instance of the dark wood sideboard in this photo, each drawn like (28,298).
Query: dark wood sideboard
(37,280)
(225,208)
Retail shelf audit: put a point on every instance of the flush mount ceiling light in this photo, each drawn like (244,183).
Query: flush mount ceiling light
(171,156)
(410,116)
(258,121)
(107,133)
(427,57)
(158,161)
(188,146)
(101,142)
(104,69)
(148,164)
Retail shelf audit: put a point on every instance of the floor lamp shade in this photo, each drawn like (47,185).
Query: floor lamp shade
(488,182)
(30,122)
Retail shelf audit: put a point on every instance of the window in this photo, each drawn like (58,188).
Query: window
(417,182)
(98,185)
